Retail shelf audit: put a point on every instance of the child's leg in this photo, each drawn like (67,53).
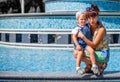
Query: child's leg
(78,59)
(78,54)
(92,55)
(93,59)
(75,53)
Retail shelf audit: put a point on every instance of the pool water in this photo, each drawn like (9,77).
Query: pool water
(46,60)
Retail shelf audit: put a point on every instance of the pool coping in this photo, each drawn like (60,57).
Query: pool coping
(57,13)
(7,75)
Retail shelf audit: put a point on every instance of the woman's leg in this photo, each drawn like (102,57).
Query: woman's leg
(88,63)
(102,67)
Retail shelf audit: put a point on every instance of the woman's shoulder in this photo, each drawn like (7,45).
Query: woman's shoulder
(101,31)
(100,26)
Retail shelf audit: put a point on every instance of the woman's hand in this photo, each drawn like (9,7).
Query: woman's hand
(80,35)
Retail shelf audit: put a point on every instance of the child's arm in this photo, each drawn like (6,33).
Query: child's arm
(74,37)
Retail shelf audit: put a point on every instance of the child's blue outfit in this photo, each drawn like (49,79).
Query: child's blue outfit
(85,30)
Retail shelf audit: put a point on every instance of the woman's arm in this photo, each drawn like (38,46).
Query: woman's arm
(96,41)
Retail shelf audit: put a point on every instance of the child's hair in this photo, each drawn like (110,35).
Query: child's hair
(79,13)
(92,11)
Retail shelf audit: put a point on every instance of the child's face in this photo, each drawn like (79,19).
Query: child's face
(82,19)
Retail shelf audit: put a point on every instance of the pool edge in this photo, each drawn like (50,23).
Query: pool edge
(6,75)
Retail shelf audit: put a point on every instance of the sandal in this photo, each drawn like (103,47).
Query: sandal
(88,69)
(95,70)
(85,70)
(102,68)
(80,71)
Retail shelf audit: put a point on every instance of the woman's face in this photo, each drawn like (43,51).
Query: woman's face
(93,20)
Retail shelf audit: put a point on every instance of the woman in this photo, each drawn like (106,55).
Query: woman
(98,43)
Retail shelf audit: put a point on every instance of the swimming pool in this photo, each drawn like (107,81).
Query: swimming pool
(45,60)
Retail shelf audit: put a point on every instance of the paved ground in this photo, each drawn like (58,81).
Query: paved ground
(56,76)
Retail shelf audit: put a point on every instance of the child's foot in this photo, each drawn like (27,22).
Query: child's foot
(95,69)
(80,71)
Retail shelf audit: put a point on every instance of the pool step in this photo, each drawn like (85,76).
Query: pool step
(49,31)
(48,46)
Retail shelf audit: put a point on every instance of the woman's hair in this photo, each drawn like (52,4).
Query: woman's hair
(95,8)
(92,11)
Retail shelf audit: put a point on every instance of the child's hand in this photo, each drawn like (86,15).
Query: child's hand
(79,48)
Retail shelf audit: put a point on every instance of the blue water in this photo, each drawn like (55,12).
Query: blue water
(33,60)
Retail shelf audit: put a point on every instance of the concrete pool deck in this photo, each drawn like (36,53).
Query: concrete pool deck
(6,75)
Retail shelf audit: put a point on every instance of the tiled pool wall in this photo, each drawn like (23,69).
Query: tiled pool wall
(75,5)
(42,22)
(52,22)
